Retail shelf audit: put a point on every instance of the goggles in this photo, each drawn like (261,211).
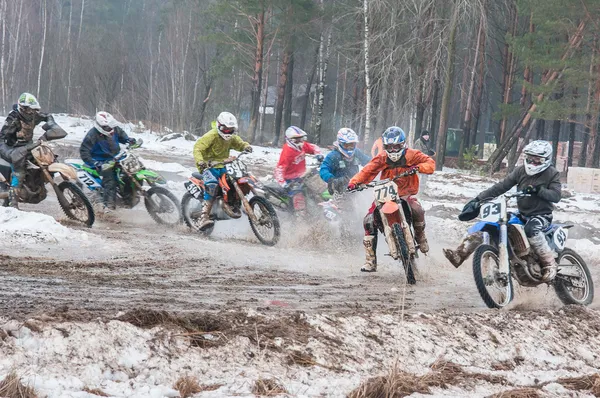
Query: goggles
(226,130)
(534,160)
(394,147)
(348,146)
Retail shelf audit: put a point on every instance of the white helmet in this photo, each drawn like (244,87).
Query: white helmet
(105,123)
(295,137)
(226,125)
(538,157)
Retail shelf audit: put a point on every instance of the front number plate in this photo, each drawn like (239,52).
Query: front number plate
(193,189)
(386,192)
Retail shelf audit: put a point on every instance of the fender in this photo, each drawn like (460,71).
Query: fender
(484,226)
(150,175)
(391,211)
(67,172)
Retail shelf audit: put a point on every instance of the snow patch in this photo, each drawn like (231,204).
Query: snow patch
(28,227)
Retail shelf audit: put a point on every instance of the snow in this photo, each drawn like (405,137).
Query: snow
(30,228)
(125,361)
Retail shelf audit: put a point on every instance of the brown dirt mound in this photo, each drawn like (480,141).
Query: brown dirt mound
(215,329)
(398,383)
(589,383)
(518,393)
(95,391)
(187,386)
(268,388)
(11,387)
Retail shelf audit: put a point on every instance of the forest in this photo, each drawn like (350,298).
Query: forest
(473,72)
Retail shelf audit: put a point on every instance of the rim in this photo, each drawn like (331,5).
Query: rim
(193,211)
(578,293)
(498,288)
(164,208)
(265,226)
(76,205)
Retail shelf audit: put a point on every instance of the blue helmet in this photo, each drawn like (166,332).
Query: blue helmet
(394,142)
(346,142)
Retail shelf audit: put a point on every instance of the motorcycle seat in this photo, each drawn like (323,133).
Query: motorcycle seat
(197,175)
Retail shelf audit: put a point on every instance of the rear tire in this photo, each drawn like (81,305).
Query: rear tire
(407,260)
(268,219)
(79,207)
(190,210)
(564,289)
(506,290)
(163,194)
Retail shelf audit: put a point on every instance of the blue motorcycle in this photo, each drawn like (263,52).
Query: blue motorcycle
(506,255)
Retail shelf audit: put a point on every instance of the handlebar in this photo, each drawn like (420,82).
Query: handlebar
(231,159)
(362,187)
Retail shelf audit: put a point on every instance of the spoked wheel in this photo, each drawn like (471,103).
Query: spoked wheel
(267,229)
(162,206)
(572,289)
(75,204)
(495,289)
(191,209)
(407,260)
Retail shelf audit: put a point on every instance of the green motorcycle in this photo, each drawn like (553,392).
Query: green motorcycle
(134,181)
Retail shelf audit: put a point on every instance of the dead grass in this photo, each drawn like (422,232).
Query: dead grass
(589,383)
(216,329)
(518,393)
(11,387)
(268,388)
(187,386)
(95,391)
(398,383)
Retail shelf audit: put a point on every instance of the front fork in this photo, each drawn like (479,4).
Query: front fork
(503,249)
(245,203)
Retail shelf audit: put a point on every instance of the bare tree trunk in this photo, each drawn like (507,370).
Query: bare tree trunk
(572,128)
(509,67)
(80,22)
(281,91)
(588,118)
(70,57)
(367,134)
(16,45)
(265,94)
(434,109)
(421,103)
(479,97)
(448,79)
(39,81)
(466,126)
(306,96)
(289,88)
(258,71)
(324,62)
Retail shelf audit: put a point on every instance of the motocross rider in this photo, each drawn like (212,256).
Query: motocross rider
(98,150)
(213,147)
(16,140)
(342,163)
(396,159)
(292,164)
(537,178)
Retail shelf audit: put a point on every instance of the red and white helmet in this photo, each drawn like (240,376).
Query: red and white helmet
(105,123)
(226,125)
(295,137)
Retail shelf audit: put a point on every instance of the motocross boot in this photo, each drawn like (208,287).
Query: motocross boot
(420,237)
(370,243)
(545,256)
(464,250)
(205,221)
(13,197)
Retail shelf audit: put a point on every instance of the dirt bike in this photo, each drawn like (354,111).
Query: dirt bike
(229,202)
(396,218)
(310,184)
(506,254)
(41,170)
(160,203)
